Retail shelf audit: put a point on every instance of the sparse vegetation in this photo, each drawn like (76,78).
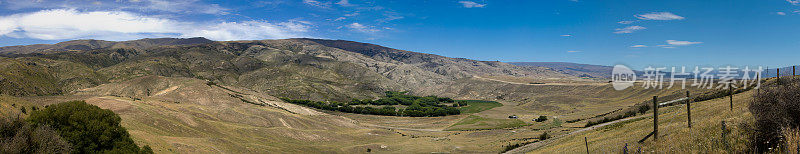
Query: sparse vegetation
(775,109)
(474,122)
(516,145)
(645,107)
(544,136)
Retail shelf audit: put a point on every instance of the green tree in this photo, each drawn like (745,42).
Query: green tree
(544,136)
(19,136)
(88,128)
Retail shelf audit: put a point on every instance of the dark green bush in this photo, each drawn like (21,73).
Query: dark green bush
(19,136)
(88,128)
(544,136)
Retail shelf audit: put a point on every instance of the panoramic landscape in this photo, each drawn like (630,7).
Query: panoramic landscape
(352,76)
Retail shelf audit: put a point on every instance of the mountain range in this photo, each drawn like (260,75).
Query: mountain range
(300,68)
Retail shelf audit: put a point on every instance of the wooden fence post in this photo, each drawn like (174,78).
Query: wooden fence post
(778,74)
(586,140)
(689,108)
(655,118)
(724,141)
(730,91)
(625,149)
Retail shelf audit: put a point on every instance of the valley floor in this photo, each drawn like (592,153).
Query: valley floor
(185,115)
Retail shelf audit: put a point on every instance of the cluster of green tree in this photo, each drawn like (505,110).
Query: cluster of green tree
(460,103)
(70,127)
(429,106)
(401,98)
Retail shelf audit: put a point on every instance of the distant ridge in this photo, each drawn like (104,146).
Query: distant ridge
(100,44)
(575,69)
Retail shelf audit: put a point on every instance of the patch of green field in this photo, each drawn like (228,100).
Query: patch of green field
(475,106)
(474,122)
(550,124)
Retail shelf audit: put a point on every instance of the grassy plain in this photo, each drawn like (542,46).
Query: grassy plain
(674,135)
(475,106)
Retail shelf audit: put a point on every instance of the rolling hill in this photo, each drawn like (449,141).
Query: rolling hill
(296,68)
(194,95)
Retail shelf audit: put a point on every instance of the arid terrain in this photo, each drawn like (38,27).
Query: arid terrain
(201,96)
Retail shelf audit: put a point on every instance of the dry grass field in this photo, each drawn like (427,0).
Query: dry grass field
(184,115)
(674,136)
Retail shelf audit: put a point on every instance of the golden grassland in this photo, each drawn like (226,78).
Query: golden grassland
(705,136)
(567,101)
(179,115)
(474,122)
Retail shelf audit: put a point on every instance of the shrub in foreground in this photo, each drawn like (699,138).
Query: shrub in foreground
(775,110)
(19,136)
(88,128)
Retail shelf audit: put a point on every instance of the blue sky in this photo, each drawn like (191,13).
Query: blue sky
(633,32)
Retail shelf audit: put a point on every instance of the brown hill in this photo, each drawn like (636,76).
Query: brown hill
(296,68)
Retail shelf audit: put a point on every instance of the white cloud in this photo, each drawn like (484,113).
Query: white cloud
(339,19)
(471,4)
(180,6)
(361,28)
(625,22)
(573,51)
(674,43)
(296,26)
(681,43)
(793,2)
(389,16)
(248,30)
(66,24)
(171,6)
(344,3)
(629,29)
(659,16)
(780,13)
(317,3)
(638,46)
(59,24)
(566,35)
(351,14)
